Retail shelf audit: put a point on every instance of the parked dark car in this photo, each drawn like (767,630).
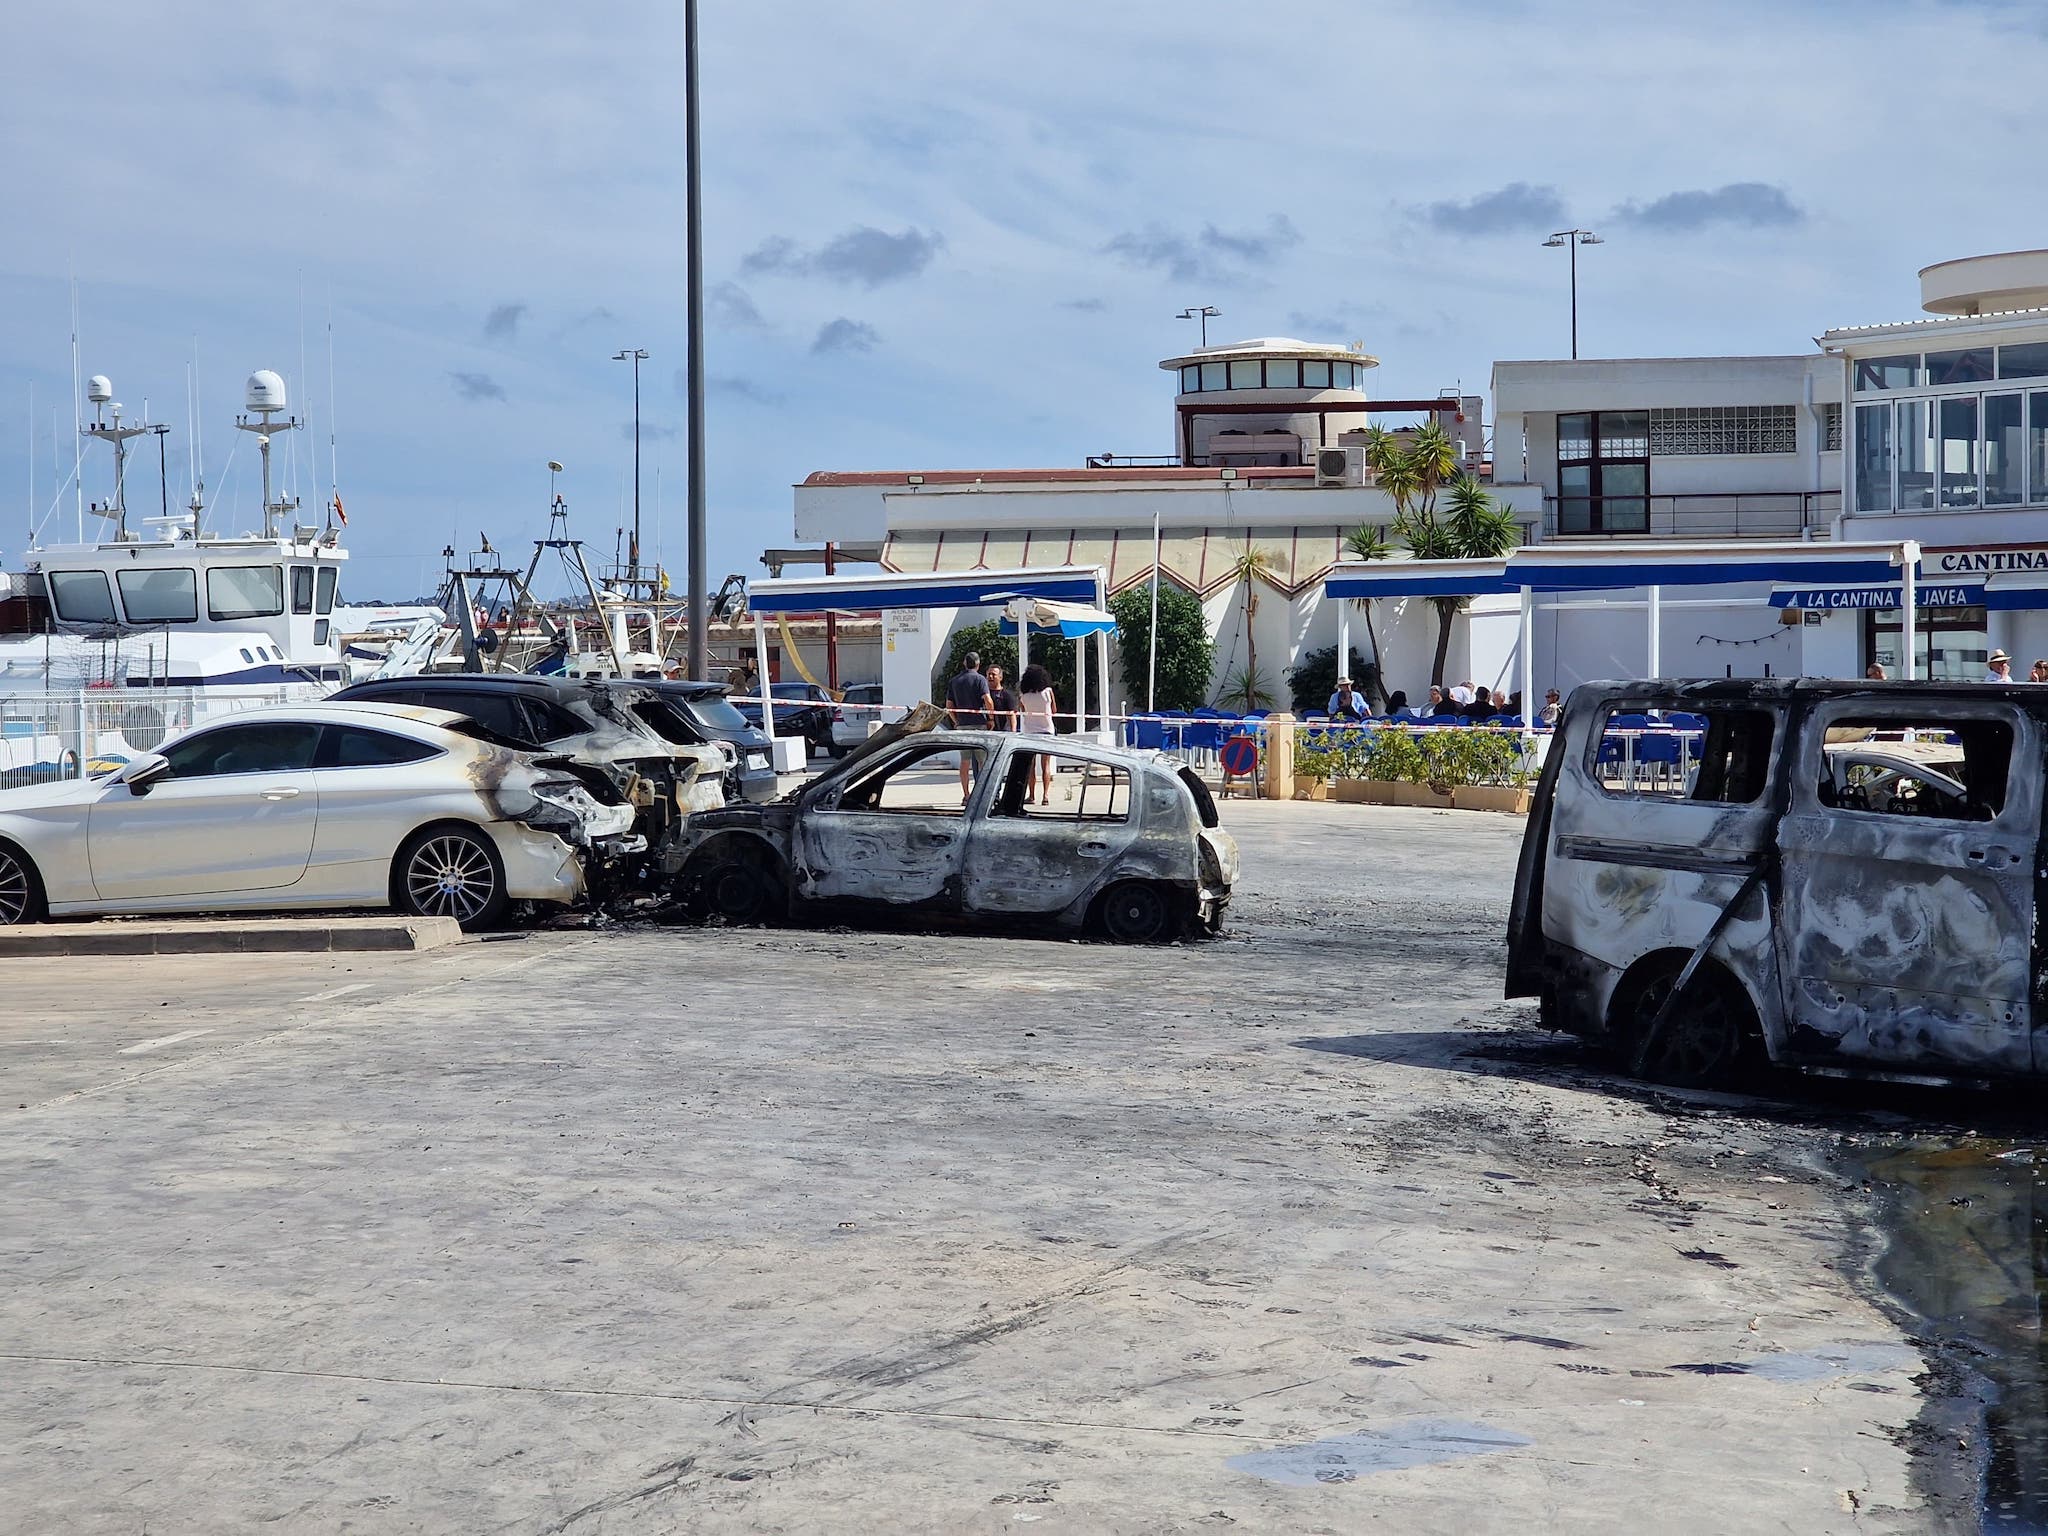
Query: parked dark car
(809,713)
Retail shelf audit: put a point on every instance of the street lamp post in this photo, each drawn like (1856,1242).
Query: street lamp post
(1205,314)
(637,356)
(693,221)
(1572,239)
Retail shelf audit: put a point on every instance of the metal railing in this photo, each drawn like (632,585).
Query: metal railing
(45,736)
(1691,514)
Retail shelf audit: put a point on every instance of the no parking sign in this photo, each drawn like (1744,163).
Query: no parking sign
(1241,757)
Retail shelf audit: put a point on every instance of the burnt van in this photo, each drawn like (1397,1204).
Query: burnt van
(1824,875)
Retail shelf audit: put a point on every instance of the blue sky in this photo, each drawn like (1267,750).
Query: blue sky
(937,235)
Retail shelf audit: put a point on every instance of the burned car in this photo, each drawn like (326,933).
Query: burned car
(665,780)
(1842,877)
(1125,843)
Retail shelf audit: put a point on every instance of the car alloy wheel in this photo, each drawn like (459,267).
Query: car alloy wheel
(451,874)
(1136,913)
(17,889)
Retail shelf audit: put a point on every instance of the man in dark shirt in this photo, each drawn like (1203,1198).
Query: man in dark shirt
(968,703)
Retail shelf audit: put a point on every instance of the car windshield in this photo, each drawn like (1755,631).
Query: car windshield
(714,712)
(792,690)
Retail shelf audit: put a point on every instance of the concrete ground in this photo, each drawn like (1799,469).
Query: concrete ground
(1299,1230)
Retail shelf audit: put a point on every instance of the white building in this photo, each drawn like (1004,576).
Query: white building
(1248,417)
(1945,422)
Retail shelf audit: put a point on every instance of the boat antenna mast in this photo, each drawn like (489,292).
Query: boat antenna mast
(266,400)
(104,406)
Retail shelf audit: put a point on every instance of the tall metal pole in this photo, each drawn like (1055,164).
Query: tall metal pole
(638,354)
(1575,295)
(694,238)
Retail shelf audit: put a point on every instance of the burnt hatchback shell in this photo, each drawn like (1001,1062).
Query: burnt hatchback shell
(987,860)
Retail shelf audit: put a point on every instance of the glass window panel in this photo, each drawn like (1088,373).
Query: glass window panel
(1315,375)
(1575,498)
(2004,450)
(283,746)
(244,591)
(1958,461)
(1624,434)
(2037,446)
(159,597)
(1624,507)
(1575,437)
(1887,372)
(1215,376)
(328,576)
(1244,375)
(1915,456)
(1969,365)
(302,589)
(1283,375)
(1874,458)
(1191,378)
(82,597)
(2025,360)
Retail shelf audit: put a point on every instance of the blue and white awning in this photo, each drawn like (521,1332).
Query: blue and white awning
(937,589)
(1579,568)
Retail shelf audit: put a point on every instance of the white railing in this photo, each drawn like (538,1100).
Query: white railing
(84,731)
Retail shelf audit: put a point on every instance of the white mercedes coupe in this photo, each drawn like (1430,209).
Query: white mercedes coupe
(315,806)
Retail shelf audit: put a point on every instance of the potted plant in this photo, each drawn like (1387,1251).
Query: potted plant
(1495,773)
(1313,769)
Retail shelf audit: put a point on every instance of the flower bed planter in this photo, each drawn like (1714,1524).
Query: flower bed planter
(1491,797)
(1364,792)
(1421,796)
(1308,787)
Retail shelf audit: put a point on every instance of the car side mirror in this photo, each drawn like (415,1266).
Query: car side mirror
(143,772)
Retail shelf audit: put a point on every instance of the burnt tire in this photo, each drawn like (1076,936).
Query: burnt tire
(1137,912)
(740,890)
(21,888)
(451,871)
(1708,1040)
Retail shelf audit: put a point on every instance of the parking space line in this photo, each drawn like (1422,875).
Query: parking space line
(328,997)
(160,1041)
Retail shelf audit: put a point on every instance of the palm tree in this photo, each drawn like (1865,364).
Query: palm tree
(1473,528)
(1369,543)
(1252,567)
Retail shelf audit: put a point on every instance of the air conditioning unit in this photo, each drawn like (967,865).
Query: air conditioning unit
(1340,466)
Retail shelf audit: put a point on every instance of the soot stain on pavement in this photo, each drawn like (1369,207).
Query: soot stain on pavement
(1346,1458)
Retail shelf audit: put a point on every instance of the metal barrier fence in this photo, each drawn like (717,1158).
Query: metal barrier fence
(45,736)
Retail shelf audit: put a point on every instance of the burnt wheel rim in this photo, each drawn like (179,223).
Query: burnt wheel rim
(14,890)
(736,892)
(450,877)
(1136,913)
(1699,1040)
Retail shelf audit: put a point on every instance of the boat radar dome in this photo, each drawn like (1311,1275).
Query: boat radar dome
(99,389)
(265,391)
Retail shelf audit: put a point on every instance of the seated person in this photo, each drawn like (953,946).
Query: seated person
(1397,705)
(1347,703)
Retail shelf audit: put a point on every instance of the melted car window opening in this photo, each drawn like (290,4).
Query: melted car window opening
(888,791)
(1091,792)
(1942,770)
(1640,755)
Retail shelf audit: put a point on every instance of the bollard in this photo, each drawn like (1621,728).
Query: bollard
(1279,763)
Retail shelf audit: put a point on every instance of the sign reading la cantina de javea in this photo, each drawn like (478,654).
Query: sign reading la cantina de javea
(1928,595)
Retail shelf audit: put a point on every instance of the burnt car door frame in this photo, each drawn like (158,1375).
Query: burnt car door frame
(1907,942)
(899,858)
(1042,864)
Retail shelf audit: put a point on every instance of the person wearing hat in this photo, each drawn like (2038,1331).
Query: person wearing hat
(2000,668)
(1346,703)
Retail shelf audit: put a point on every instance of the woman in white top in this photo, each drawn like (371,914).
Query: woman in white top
(1034,693)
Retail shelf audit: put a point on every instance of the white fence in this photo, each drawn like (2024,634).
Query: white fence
(46,736)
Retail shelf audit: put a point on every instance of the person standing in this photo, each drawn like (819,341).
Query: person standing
(967,706)
(1999,668)
(1002,701)
(1037,704)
